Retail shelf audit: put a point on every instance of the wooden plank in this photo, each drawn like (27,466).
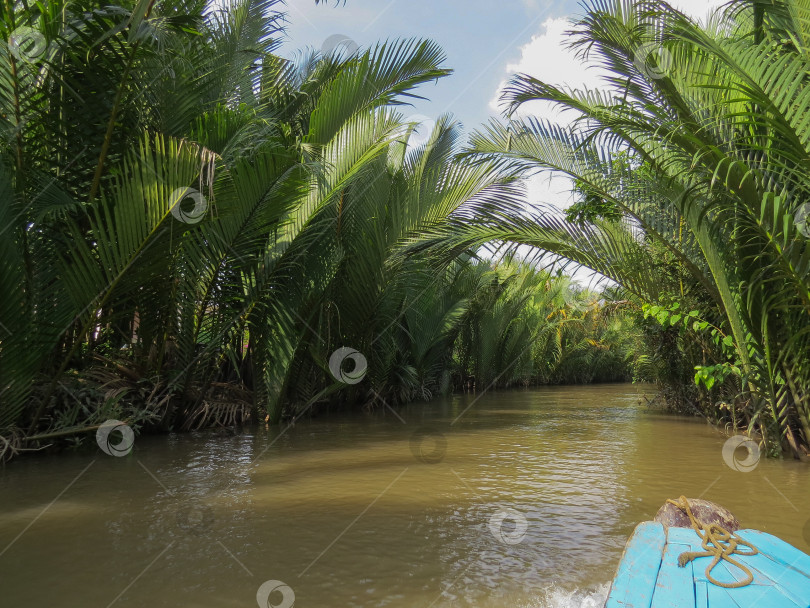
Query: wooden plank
(750,596)
(726,573)
(684,536)
(701,594)
(635,579)
(649,577)
(675,587)
(778,550)
(766,570)
(775,585)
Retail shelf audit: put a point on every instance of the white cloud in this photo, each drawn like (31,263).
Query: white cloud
(548,58)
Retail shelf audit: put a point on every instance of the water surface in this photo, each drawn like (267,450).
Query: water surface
(518,499)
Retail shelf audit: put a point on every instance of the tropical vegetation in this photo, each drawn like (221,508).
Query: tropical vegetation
(192,228)
(692,168)
(198,232)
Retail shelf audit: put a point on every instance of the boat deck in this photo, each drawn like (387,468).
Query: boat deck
(649,575)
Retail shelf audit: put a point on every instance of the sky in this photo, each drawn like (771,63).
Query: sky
(479,37)
(486,42)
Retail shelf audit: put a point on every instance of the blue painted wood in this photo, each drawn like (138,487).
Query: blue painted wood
(684,536)
(777,581)
(751,596)
(649,576)
(778,550)
(701,594)
(761,591)
(675,587)
(767,572)
(638,569)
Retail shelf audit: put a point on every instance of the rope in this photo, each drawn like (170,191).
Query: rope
(717,542)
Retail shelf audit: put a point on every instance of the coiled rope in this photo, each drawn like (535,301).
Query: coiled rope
(718,542)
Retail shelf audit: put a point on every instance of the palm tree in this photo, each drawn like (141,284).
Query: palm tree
(194,225)
(266,147)
(701,147)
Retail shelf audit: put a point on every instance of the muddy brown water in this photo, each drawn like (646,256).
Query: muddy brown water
(513,499)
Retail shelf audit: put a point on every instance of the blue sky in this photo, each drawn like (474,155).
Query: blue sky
(480,38)
(486,42)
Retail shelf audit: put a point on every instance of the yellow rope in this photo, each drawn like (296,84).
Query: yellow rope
(717,542)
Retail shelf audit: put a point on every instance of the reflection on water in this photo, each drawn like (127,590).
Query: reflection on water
(520,499)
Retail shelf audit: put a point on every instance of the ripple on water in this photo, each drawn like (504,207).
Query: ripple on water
(345,512)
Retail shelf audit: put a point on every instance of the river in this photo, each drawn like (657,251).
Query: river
(521,498)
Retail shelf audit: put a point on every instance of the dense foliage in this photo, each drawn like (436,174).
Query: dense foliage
(693,165)
(192,226)
(196,231)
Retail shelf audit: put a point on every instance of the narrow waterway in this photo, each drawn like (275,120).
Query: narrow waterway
(518,499)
